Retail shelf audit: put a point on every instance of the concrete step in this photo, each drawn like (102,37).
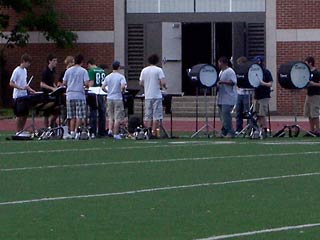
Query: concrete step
(186,106)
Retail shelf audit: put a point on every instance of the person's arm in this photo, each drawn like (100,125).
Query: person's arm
(163,84)
(26,87)
(46,86)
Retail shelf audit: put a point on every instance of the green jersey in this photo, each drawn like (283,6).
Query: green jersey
(96,75)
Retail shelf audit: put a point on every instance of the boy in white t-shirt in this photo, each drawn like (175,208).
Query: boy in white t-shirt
(153,80)
(18,81)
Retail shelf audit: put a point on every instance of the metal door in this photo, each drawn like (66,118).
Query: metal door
(171,56)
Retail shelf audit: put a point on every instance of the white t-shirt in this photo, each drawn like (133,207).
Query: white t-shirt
(75,78)
(19,77)
(151,76)
(227,94)
(114,81)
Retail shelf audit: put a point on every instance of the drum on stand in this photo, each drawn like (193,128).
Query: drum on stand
(205,75)
(294,75)
(249,75)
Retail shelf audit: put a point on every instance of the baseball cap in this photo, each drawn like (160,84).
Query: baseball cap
(115,64)
(258,59)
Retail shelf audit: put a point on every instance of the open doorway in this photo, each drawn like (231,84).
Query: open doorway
(203,43)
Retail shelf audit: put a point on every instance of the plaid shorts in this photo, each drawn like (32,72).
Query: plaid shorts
(76,108)
(153,109)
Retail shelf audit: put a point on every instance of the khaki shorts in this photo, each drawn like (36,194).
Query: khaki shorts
(311,106)
(261,107)
(115,110)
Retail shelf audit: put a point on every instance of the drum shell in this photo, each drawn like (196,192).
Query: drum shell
(285,75)
(195,74)
(242,73)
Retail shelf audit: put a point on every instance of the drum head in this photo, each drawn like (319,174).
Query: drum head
(294,75)
(255,75)
(249,75)
(206,75)
(300,75)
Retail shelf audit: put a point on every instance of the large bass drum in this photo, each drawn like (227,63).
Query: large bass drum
(205,75)
(294,75)
(249,75)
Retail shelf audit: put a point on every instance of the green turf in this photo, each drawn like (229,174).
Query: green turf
(142,205)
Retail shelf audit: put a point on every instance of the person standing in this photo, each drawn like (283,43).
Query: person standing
(227,96)
(18,81)
(152,78)
(48,85)
(312,101)
(243,100)
(96,102)
(75,79)
(262,96)
(116,84)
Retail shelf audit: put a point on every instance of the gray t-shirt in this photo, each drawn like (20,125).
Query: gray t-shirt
(227,93)
(114,81)
(75,79)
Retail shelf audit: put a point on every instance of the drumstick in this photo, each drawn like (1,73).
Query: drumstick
(30,80)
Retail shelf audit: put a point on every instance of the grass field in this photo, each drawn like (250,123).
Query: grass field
(164,189)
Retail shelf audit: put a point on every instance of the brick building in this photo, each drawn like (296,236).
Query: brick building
(185,33)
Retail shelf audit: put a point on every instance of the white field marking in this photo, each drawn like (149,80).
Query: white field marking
(155,161)
(104,148)
(289,143)
(158,189)
(271,230)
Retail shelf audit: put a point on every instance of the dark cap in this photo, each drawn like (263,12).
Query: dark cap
(116,64)
(258,59)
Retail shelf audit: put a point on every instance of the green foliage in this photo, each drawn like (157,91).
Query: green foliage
(34,15)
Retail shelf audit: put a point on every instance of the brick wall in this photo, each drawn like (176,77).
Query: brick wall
(298,14)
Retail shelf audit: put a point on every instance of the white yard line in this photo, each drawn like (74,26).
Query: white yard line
(154,161)
(144,146)
(271,230)
(158,189)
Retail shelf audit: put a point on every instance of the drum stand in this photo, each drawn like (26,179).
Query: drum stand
(206,126)
(281,132)
(252,125)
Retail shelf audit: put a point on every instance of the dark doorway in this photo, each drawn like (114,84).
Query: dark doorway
(196,48)
(201,45)
(223,41)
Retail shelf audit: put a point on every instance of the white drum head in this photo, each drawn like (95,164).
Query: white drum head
(208,75)
(255,75)
(300,75)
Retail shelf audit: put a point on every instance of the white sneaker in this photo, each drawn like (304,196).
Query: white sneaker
(117,137)
(67,136)
(77,137)
(92,136)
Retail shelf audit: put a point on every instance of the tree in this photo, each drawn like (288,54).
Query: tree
(34,15)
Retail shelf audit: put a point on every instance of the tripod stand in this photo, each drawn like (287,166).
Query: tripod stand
(206,126)
(295,126)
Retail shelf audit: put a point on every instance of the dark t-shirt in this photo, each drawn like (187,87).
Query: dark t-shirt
(47,78)
(262,92)
(315,77)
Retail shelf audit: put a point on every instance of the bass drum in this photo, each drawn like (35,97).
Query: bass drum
(249,75)
(205,75)
(294,75)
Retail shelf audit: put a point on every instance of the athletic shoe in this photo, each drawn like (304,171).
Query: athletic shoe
(67,136)
(92,136)
(117,137)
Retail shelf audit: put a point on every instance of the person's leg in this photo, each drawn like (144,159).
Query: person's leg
(20,123)
(157,115)
(227,117)
(239,112)
(102,116)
